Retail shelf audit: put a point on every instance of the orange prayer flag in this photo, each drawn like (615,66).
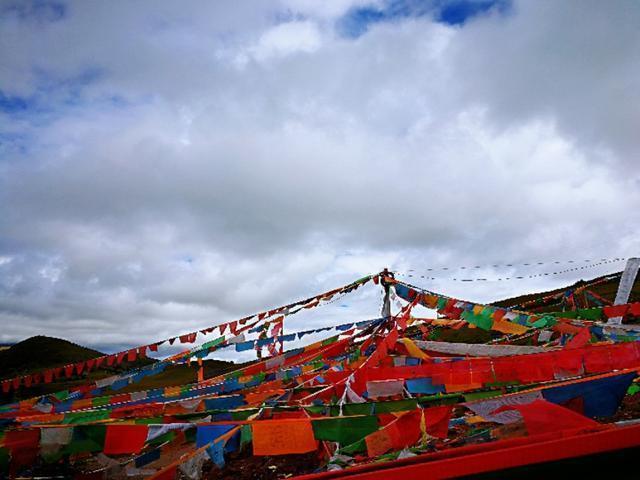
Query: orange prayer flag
(505,326)
(453,388)
(282,437)
(259,397)
(378,443)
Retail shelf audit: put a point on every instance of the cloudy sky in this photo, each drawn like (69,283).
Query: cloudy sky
(166,166)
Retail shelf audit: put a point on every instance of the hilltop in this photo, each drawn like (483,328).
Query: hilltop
(605,286)
(40,352)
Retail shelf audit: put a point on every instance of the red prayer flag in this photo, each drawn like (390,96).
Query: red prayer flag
(615,310)
(392,338)
(581,339)
(597,360)
(541,416)
(125,439)
(436,420)
(23,445)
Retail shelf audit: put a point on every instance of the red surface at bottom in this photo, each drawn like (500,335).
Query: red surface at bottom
(494,456)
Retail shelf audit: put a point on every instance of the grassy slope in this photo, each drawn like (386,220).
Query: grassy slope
(607,290)
(39,353)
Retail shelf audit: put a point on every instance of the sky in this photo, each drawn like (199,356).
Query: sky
(167,166)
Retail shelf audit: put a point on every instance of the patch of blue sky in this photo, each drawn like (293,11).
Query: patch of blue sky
(35,11)
(52,97)
(12,143)
(50,92)
(451,12)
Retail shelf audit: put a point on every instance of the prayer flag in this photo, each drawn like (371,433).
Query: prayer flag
(281,437)
(125,439)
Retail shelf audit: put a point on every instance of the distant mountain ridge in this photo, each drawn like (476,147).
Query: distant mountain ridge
(606,288)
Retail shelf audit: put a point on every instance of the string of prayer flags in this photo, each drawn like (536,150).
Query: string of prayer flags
(374,387)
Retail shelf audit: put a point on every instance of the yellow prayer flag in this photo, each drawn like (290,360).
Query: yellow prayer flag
(413,349)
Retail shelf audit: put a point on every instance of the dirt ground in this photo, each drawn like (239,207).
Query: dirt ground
(246,466)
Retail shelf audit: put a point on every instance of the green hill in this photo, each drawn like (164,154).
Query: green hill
(607,289)
(40,352)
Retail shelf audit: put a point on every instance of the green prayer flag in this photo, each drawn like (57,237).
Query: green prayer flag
(100,401)
(212,343)
(4,459)
(344,430)
(354,409)
(468,397)
(165,437)
(149,421)
(545,321)
(396,406)
(329,340)
(590,313)
(85,417)
(242,414)
(484,322)
(190,434)
(359,446)
(245,435)
(61,395)
(86,438)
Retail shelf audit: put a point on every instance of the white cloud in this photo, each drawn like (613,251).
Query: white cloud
(286,39)
(178,188)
